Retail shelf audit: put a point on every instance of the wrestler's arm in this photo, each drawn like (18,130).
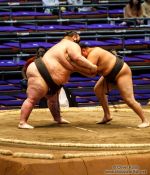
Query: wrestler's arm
(76,57)
(88,74)
(84,71)
(78,67)
(93,58)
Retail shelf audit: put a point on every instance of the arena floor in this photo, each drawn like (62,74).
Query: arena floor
(83,138)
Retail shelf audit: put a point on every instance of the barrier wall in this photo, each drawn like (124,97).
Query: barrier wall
(126,164)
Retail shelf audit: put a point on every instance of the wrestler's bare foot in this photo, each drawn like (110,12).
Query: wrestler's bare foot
(25,126)
(144,125)
(104,121)
(62,121)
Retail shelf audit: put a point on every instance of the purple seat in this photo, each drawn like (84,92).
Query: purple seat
(114,41)
(49,27)
(21,96)
(7,63)
(81,100)
(110,99)
(137,41)
(9,88)
(132,59)
(29,44)
(80,13)
(103,11)
(92,43)
(77,79)
(11,102)
(116,11)
(114,98)
(87,13)
(3,82)
(12,44)
(20,62)
(87,84)
(4,13)
(104,26)
(95,78)
(68,13)
(30,13)
(42,28)
(141,82)
(78,26)
(16,81)
(142,91)
(79,84)
(26,13)
(114,92)
(144,56)
(136,76)
(63,27)
(127,41)
(93,99)
(83,94)
(11,29)
(41,14)
(5,47)
(142,97)
(4,1)
(11,63)
(6,97)
(71,85)
(145,75)
(146,96)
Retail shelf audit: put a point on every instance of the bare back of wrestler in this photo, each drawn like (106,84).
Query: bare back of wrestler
(59,69)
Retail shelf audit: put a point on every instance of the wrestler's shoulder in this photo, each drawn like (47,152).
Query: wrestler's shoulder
(97,49)
(66,41)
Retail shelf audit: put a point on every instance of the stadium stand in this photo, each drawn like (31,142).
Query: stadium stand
(24,26)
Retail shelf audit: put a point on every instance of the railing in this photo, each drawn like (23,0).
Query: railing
(34,7)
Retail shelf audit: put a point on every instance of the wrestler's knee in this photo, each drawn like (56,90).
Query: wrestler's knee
(131,101)
(31,101)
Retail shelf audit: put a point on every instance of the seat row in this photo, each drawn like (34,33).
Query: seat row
(79,91)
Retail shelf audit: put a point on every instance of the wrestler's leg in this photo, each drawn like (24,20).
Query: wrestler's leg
(100,90)
(34,93)
(125,85)
(54,107)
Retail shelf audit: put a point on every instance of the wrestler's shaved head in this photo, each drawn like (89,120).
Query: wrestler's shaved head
(71,33)
(84,49)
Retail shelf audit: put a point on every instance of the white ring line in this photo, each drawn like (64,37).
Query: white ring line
(83,145)
(104,153)
(84,129)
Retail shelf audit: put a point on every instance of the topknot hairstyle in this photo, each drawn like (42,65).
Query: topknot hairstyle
(70,33)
